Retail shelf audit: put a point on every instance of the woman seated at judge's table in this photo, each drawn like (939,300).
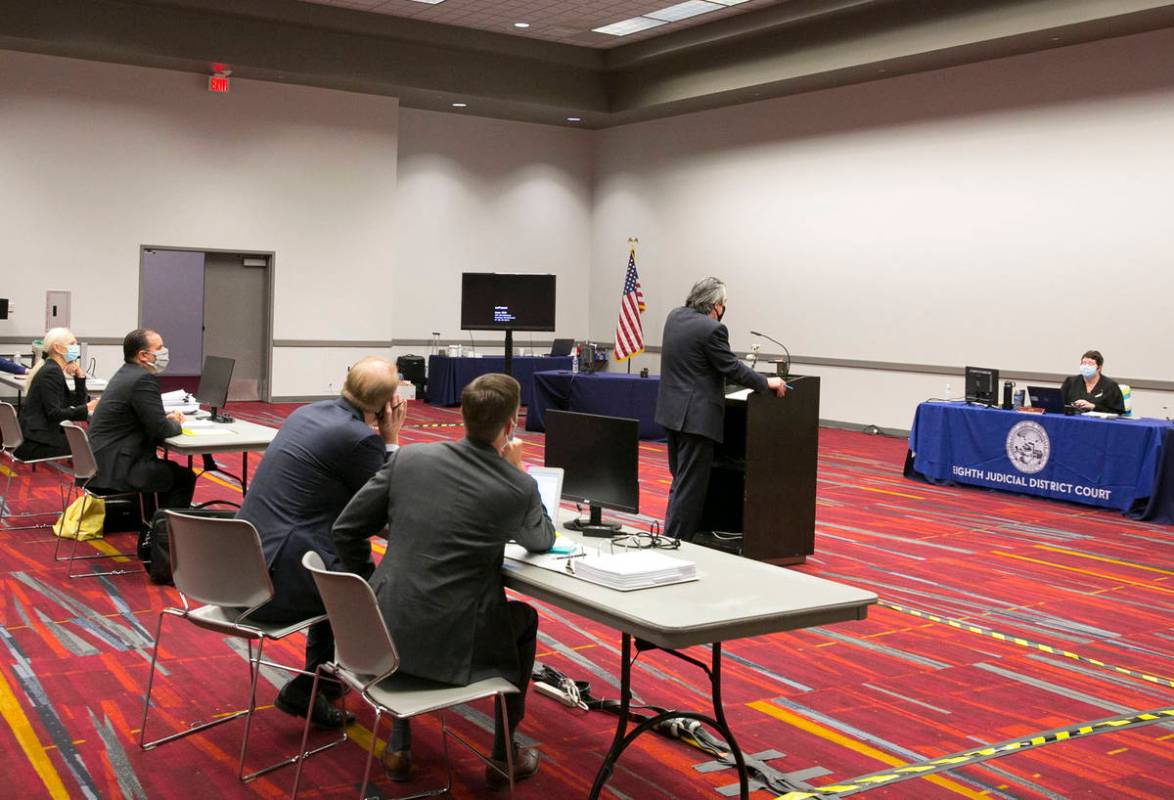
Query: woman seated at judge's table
(1092,391)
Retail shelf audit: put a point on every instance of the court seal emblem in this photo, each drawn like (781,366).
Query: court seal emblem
(1028,447)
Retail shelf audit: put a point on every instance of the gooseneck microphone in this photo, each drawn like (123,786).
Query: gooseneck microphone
(787,362)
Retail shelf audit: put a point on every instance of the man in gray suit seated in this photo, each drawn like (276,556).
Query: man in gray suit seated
(451,508)
(323,454)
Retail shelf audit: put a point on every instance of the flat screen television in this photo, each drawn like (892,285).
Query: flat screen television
(507,301)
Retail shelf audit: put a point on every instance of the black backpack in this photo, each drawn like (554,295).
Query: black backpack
(154,548)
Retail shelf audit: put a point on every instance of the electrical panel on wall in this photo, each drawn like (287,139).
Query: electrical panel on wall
(56,310)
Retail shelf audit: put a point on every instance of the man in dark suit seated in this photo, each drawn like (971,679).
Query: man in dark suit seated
(452,507)
(323,454)
(129,423)
(695,363)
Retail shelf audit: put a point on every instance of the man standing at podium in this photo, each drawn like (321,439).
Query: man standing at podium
(695,363)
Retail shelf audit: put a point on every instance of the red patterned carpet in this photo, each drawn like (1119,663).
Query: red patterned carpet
(1002,618)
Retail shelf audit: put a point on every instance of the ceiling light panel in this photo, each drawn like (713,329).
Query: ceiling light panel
(626,27)
(567,21)
(690,8)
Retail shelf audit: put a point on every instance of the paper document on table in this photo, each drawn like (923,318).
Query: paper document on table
(217,430)
(741,394)
(556,561)
(192,424)
(624,571)
(177,396)
(635,570)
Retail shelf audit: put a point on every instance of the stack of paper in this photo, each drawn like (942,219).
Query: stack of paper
(179,400)
(634,570)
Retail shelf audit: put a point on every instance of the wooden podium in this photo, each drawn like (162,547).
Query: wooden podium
(764,475)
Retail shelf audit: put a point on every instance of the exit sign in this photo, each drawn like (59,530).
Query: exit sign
(218,83)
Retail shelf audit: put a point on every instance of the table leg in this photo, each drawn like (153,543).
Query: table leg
(244,471)
(623,739)
(617,742)
(715,682)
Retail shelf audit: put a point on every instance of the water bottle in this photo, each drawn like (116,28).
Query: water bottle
(575,361)
(949,396)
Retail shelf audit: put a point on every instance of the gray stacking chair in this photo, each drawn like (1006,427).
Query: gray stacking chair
(219,562)
(83,471)
(13,438)
(365,659)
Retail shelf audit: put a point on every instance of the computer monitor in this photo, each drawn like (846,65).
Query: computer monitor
(562,347)
(599,457)
(214,380)
(982,385)
(507,301)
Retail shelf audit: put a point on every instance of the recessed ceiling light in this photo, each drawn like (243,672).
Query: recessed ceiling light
(690,8)
(574,119)
(460,105)
(627,26)
(729,2)
(429,2)
(521,24)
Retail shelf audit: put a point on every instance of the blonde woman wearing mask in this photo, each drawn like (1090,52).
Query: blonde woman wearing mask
(50,401)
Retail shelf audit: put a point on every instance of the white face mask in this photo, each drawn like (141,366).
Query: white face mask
(162,358)
(1088,370)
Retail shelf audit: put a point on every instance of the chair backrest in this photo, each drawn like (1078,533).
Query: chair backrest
(362,643)
(10,433)
(84,465)
(218,561)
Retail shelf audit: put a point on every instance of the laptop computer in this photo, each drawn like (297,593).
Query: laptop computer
(1051,400)
(562,347)
(550,488)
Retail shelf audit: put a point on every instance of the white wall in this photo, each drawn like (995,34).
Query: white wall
(99,159)
(1007,214)
(483,195)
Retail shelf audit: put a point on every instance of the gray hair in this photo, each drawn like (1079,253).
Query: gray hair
(706,294)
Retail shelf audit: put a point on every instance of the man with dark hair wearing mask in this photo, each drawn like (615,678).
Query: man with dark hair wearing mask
(695,363)
(1090,390)
(130,422)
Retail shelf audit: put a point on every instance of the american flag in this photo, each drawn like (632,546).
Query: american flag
(629,330)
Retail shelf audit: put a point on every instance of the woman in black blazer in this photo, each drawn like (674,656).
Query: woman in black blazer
(49,400)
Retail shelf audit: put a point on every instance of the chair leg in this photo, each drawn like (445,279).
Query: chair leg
(507,731)
(7,514)
(143,743)
(75,557)
(370,753)
(254,674)
(150,682)
(306,735)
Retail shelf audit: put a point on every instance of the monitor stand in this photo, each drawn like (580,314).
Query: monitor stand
(594,526)
(218,417)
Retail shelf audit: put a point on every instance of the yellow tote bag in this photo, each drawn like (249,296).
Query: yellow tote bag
(91,528)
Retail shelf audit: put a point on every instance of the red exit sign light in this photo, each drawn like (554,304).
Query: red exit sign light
(218,84)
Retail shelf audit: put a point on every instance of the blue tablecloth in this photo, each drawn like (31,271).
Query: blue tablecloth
(1103,462)
(608,393)
(448,376)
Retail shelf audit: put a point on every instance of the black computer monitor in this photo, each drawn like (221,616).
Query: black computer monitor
(599,457)
(214,380)
(982,385)
(507,301)
(562,347)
